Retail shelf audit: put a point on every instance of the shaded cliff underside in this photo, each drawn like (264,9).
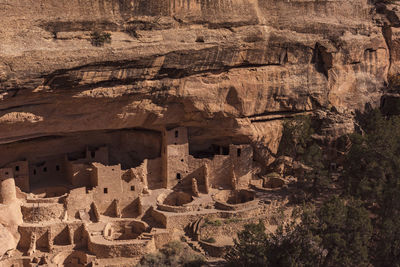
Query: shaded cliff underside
(229,70)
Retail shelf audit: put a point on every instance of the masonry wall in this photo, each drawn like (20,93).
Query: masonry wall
(154,173)
(111,184)
(108,249)
(195,169)
(134,180)
(62,234)
(78,199)
(42,212)
(99,155)
(220,172)
(175,156)
(21,174)
(242,162)
(78,174)
(127,147)
(108,185)
(132,187)
(7,186)
(220,169)
(44,171)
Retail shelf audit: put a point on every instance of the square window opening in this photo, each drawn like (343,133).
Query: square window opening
(105,190)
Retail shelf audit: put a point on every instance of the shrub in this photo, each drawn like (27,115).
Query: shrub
(296,137)
(336,235)
(297,142)
(207,221)
(372,173)
(232,220)
(174,253)
(100,38)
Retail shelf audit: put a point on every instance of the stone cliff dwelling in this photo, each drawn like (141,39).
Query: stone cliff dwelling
(126,124)
(86,203)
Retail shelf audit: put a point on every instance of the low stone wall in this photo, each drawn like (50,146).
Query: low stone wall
(25,262)
(78,199)
(178,209)
(226,206)
(162,237)
(51,191)
(125,229)
(41,212)
(181,220)
(214,250)
(159,217)
(60,199)
(103,248)
(174,198)
(66,258)
(266,190)
(62,233)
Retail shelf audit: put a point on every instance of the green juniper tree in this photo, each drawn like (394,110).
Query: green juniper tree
(337,234)
(297,142)
(372,173)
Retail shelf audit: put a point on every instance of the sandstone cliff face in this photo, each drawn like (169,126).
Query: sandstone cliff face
(230,70)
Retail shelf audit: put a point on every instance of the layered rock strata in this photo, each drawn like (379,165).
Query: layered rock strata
(228,70)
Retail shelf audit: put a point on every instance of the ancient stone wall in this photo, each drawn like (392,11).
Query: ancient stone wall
(21,174)
(42,212)
(175,156)
(242,164)
(154,173)
(220,172)
(78,199)
(108,185)
(8,193)
(103,248)
(134,181)
(128,147)
(78,174)
(45,171)
(58,232)
(99,155)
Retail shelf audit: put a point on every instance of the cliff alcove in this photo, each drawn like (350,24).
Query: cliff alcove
(185,96)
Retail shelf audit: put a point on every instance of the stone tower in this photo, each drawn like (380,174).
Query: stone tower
(175,151)
(7,186)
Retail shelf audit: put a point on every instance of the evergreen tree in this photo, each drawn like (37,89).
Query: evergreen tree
(297,142)
(338,234)
(373,174)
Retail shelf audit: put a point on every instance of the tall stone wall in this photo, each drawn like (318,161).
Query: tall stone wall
(175,156)
(21,173)
(8,193)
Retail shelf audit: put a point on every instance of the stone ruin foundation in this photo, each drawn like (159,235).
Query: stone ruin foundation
(81,207)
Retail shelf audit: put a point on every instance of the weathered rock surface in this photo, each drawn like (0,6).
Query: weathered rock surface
(230,70)
(10,218)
